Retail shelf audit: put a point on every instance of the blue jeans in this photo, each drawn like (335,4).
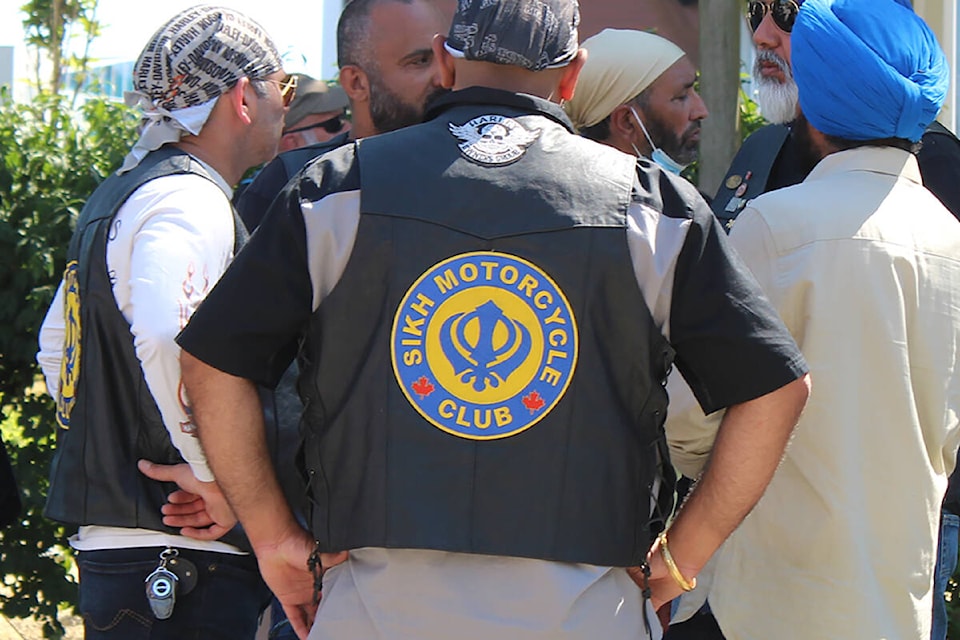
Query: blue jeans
(225,604)
(946,564)
(280,627)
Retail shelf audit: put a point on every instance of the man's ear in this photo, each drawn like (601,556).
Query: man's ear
(240,100)
(448,72)
(289,141)
(622,122)
(355,83)
(571,73)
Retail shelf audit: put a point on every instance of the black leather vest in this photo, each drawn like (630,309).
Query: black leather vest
(108,418)
(564,468)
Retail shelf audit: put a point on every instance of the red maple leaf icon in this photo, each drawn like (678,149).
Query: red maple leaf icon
(533,402)
(423,387)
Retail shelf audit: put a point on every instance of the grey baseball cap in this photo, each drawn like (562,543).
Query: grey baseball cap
(315,96)
(532,34)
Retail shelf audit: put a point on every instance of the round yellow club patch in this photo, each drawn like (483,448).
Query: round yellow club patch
(484,345)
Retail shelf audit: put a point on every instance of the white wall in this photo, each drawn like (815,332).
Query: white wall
(6,66)
(942,17)
(328,25)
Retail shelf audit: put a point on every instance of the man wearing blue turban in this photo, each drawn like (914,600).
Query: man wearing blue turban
(769,160)
(862,263)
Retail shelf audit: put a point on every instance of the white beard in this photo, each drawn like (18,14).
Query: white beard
(778,101)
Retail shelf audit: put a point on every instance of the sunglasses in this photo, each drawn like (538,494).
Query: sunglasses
(288,87)
(333,125)
(784,13)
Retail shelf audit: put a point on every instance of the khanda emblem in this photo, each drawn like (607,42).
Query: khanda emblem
(484,345)
(70,364)
(479,360)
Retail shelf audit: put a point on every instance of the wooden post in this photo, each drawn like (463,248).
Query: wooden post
(719,87)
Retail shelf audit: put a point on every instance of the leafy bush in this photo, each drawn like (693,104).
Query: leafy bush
(51,158)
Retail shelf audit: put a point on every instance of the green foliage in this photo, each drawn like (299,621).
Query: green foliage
(51,159)
(749,112)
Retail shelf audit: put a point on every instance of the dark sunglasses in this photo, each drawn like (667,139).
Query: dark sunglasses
(333,125)
(784,13)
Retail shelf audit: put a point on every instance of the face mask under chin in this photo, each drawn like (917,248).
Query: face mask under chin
(658,155)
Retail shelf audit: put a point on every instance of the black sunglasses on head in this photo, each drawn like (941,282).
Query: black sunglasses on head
(784,13)
(333,125)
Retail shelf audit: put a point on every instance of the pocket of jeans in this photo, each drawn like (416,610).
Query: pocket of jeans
(241,579)
(113,601)
(230,571)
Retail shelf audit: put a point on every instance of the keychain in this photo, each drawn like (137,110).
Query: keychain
(173,575)
(162,586)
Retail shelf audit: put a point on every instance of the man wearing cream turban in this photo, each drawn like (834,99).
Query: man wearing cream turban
(148,246)
(862,263)
(636,94)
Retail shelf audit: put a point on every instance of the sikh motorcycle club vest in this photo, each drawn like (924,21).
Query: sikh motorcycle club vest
(108,419)
(486,377)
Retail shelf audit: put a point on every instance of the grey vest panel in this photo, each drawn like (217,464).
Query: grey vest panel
(574,487)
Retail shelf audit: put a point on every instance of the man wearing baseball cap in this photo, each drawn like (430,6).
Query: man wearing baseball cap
(485,307)
(148,245)
(315,115)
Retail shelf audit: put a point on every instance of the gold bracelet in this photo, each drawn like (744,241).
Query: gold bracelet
(686,585)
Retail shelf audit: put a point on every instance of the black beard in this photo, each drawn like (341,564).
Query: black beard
(807,151)
(389,113)
(668,142)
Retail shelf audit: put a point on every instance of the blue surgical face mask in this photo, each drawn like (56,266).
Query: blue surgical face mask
(658,155)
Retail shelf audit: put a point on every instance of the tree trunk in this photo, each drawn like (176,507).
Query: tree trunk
(56,45)
(719,87)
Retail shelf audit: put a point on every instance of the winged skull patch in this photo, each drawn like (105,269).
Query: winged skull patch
(493,140)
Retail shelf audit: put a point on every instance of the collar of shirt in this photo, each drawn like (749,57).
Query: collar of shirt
(886,160)
(487,96)
(217,178)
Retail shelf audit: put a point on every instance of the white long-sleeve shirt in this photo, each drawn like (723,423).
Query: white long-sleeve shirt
(168,245)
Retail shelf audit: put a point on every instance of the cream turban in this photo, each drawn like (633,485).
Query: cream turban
(620,64)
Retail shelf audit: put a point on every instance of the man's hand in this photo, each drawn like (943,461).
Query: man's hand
(663,588)
(285,568)
(199,509)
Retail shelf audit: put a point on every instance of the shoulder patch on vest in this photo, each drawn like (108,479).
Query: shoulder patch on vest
(484,345)
(70,363)
(493,140)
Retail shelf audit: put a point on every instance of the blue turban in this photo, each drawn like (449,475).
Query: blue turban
(867,69)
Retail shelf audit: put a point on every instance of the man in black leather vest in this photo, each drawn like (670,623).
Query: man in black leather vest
(770,159)
(389,74)
(485,308)
(148,244)
(381,71)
